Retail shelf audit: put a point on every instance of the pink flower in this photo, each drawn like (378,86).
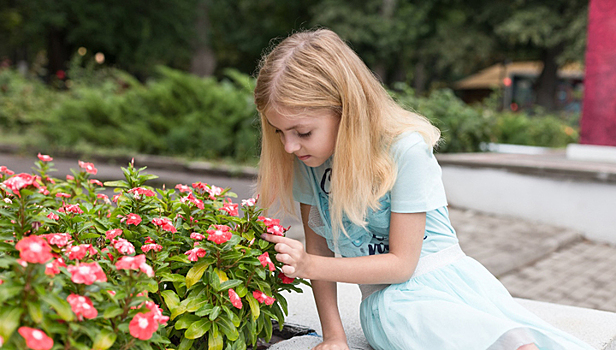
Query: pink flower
(214,191)
(130,262)
(200,186)
(86,273)
(197,236)
(111,234)
(44,190)
(70,177)
(149,240)
(88,167)
(20,181)
(71,208)
(195,253)
(104,197)
(4,170)
(235,299)
(53,268)
(116,197)
(79,252)
(57,239)
(155,247)
(266,261)
(82,306)
(263,298)
(63,195)
(276,230)
(220,234)
(191,198)
(138,191)
(96,182)
(123,246)
(267,221)
(35,339)
(44,157)
(133,219)
(142,326)
(230,208)
(285,279)
(250,202)
(156,312)
(53,216)
(164,223)
(183,188)
(34,249)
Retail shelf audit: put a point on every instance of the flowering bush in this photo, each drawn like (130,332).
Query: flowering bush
(148,268)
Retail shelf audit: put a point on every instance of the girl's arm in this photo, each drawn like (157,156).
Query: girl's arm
(405,239)
(325,293)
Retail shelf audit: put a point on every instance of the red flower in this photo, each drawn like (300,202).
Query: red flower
(34,249)
(230,208)
(277,230)
(61,74)
(4,170)
(157,312)
(149,240)
(266,261)
(183,188)
(62,194)
(79,252)
(88,167)
(155,247)
(195,253)
(191,198)
(263,298)
(53,216)
(71,208)
(82,306)
(104,197)
(53,268)
(197,236)
(20,181)
(96,182)
(44,157)
(36,339)
(235,299)
(249,202)
(285,279)
(138,191)
(44,190)
(136,263)
(142,326)
(133,219)
(214,191)
(123,246)
(70,177)
(111,234)
(220,234)
(267,221)
(86,273)
(164,223)
(57,239)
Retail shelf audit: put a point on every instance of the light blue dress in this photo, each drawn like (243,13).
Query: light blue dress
(454,303)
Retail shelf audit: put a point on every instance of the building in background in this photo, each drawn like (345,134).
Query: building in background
(517,80)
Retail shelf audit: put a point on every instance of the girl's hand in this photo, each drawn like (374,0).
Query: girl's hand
(332,345)
(292,254)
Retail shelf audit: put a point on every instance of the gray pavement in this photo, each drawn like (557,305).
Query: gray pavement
(533,260)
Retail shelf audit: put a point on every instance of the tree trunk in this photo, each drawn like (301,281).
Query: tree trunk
(419,78)
(548,80)
(57,52)
(387,11)
(203,61)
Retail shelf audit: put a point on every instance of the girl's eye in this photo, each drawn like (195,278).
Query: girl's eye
(304,135)
(278,131)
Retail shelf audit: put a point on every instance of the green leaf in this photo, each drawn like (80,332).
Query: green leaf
(196,272)
(10,320)
(7,292)
(196,304)
(214,343)
(88,235)
(214,313)
(168,277)
(104,340)
(171,299)
(61,306)
(151,286)
(186,344)
(177,311)
(228,328)
(205,310)
(112,312)
(35,311)
(198,329)
(241,290)
(120,183)
(229,284)
(185,321)
(254,306)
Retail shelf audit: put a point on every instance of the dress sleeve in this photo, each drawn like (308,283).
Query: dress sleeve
(302,185)
(419,186)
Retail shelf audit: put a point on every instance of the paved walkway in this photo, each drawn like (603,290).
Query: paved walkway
(534,261)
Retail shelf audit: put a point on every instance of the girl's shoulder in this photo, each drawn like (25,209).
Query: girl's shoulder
(407,141)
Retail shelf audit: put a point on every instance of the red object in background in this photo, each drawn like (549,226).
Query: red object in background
(61,74)
(507,81)
(598,123)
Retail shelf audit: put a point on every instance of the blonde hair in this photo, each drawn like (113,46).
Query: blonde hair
(317,70)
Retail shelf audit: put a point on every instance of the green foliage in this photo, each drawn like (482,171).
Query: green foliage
(188,251)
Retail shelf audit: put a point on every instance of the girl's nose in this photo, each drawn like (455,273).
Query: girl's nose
(291,145)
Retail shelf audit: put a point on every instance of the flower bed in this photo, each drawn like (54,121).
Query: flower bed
(149,268)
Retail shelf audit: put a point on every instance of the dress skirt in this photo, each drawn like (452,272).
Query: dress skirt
(457,306)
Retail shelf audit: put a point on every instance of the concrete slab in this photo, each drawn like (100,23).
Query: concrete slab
(597,328)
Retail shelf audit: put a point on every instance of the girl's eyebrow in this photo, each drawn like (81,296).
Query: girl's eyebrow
(291,128)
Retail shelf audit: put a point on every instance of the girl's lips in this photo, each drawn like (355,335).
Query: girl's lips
(303,157)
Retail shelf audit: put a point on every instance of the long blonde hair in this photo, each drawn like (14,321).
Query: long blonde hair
(317,70)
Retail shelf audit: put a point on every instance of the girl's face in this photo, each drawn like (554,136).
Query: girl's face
(309,135)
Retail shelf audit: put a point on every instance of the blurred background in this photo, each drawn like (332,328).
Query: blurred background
(176,77)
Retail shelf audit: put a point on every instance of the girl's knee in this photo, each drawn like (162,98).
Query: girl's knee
(528,347)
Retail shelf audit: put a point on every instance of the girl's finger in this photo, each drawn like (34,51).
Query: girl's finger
(283,258)
(288,270)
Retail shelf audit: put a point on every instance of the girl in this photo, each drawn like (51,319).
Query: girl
(370,189)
